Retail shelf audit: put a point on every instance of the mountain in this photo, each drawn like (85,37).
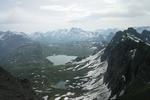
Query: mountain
(70,35)
(9,41)
(106,34)
(146,36)
(74,41)
(87,81)
(77,80)
(18,48)
(127,75)
(12,88)
(62,36)
(22,57)
(32,54)
(120,71)
(142,28)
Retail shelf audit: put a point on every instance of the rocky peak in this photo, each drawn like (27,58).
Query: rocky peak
(128,60)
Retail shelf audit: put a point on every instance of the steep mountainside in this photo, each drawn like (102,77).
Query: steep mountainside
(12,88)
(128,72)
(83,80)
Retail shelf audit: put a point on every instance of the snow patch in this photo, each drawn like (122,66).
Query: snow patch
(65,96)
(121,93)
(58,98)
(91,81)
(114,97)
(45,97)
(124,78)
(133,53)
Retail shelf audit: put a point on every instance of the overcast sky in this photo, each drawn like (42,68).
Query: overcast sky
(43,15)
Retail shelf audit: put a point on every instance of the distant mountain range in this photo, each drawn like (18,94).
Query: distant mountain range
(72,35)
(60,41)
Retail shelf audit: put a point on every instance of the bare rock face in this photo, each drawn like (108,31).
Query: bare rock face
(128,72)
(12,88)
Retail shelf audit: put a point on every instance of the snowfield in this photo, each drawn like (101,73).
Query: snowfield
(91,81)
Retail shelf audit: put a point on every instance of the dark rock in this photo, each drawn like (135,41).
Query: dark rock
(12,88)
(128,62)
(146,35)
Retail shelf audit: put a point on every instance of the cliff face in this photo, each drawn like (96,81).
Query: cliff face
(128,72)
(12,88)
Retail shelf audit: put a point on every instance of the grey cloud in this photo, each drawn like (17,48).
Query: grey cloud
(93,13)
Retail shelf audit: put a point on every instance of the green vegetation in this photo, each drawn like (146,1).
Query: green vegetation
(70,49)
(29,62)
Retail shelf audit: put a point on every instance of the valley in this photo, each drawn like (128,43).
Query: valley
(74,49)
(79,70)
